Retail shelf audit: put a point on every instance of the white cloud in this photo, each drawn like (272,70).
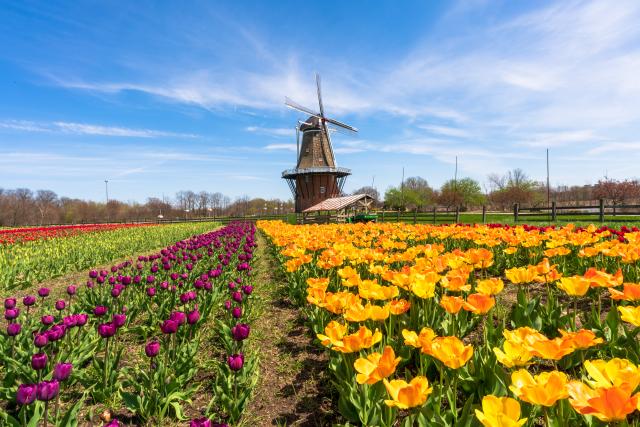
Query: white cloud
(287,147)
(271,131)
(88,129)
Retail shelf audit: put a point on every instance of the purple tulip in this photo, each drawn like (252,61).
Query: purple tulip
(62,371)
(100,310)
(81,319)
(126,280)
(26,394)
(47,390)
(70,321)
(193,317)
(11,313)
(248,289)
(151,292)
(100,279)
(169,327)
(119,320)
(41,340)
(71,290)
(200,422)
(106,330)
(29,300)
(56,332)
(113,423)
(152,348)
(236,296)
(231,285)
(115,292)
(240,331)
(13,329)
(47,319)
(137,279)
(93,274)
(43,292)
(39,361)
(236,312)
(10,303)
(60,305)
(179,317)
(236,361)
(150,278)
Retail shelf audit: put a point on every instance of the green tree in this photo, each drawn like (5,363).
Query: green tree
(414,193)
(464,192)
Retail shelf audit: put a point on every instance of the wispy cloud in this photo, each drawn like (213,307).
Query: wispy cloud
(88,129)
(287,147)
(271,131)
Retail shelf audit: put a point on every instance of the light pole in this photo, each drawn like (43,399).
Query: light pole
(106,189)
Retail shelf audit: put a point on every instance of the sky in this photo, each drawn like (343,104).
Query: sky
(162,96)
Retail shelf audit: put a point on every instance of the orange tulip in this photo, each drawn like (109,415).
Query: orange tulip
(362,339)
(613,373)
(630,292)
(554,349)
(422,340)
(451,304)
(376,366)
(606,404)
(399,306)
(602,279)
(521,275)
(581,339)
(479,303)
(407,395)
(333,334)
(543,389)
(450,350)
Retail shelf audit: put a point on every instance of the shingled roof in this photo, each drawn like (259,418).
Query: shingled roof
(337,203)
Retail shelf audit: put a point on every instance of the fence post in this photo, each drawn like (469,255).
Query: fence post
(516,208)
(382,215)
(601,213)
(484,214)
(434,214)
(415,213)
(398,215)
(554,212)
(457,214)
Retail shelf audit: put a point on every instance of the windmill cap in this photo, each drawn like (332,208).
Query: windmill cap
(311,123)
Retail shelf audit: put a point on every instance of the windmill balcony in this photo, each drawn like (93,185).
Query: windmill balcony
(291,173)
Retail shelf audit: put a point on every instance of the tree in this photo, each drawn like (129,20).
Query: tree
(371,191)
(616,191)
(414,193)
(45,201)
(464,192)
(513,187)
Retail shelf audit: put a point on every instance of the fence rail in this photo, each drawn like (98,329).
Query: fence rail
(598,213)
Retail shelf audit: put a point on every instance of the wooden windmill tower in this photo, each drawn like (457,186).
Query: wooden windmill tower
(316,176)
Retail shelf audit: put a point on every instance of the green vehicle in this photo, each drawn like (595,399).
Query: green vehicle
(362,217)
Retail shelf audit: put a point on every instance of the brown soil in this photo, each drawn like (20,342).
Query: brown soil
(294,386)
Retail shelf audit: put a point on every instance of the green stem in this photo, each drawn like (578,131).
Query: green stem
(106,365)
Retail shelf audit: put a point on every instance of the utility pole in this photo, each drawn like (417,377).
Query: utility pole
(548,185)
(455,183)
(106,189)
(402,188)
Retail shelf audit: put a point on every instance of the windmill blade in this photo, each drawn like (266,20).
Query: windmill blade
(292,104)
(340,124)
(326,132)
(319,95)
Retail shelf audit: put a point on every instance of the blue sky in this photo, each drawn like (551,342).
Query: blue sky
(162,96)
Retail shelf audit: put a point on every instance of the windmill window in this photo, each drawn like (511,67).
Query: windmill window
(322,190)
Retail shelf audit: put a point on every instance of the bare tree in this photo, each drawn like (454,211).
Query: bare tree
(45,201)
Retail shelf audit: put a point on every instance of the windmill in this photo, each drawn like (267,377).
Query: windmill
(316,176)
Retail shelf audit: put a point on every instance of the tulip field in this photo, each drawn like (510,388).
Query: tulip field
(135,343)
(31,255)
(460,325)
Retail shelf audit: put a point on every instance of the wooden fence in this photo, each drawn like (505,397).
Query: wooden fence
(593,213)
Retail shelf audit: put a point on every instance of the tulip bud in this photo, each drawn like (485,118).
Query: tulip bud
(151,292)
(236,361)
(39,361)
(71,290)
(81,319)
(29,300)
(43,292)
(13,329)
(11,313)
(169,327)
(200,422)
(9,303)
(47,390)
(227,304)
(179,317)
(106,330)
(119,320)
(193,317)
(26,394)
(60,305)
(150,279)
(40,340)
(47,319)
(152,349)
(100,310)
(236,312)
(248,289)
(62,371)
(93,274)
(236,296)
(240,331)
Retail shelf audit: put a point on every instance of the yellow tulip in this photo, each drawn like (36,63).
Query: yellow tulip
(574,286)
(492,286)
(422,340)
(362,339)
(376,366)
(614,372)
(630,314)
(450,350)
(407,395)
(500,412)
(514,354)
(451,304)
(424,285)
(544,389)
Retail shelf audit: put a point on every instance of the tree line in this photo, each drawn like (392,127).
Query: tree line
(502,192)
(23,206)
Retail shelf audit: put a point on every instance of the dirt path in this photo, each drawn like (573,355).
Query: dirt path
(294,386)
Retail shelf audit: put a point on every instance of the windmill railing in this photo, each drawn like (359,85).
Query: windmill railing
(326,169)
